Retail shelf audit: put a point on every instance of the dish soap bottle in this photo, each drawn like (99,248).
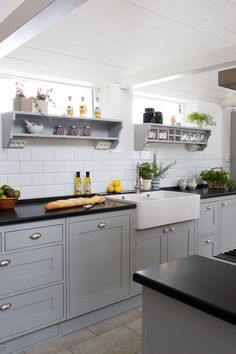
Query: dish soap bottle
(77,184)
(97,111)
(82,108)
(87,183)
(69,108)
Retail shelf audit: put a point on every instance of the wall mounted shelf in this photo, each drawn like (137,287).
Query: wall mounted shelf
(105,132)
(149,133)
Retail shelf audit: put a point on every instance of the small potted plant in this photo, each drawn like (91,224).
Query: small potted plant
(145,172)
(159,171)
(40,101)
(200,119)
(20,101)
(217,178)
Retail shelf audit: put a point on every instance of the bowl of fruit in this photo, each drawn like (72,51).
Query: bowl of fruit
(8,197)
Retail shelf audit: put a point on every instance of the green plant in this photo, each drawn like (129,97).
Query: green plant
(145,170)
(198,118)
(159,171)
(218,176)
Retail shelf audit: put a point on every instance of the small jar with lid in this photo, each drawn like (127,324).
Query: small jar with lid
(73,130)
(59,130)
(87,131)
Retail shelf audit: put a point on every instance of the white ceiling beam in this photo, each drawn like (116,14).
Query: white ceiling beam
(31,18)
(216,59)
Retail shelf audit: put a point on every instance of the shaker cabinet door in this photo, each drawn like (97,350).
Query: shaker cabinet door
(228,225)
(98,262)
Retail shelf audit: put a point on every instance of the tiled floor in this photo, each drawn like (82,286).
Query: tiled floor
(117,335)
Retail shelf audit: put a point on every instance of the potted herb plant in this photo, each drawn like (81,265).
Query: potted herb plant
(217,178)
(145,172)
(159,171)
(200,119)
(20,101)
(40,101)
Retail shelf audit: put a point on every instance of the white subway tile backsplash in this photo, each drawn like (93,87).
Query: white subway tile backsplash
(19,154)
(81,154)
(109,165)
(100,176)
(42,178)
(19,179)
(42,154)
(31,167)
(73,166)
(3,155)
(69,189)
(92,165)
(53,166)
(63,154)
(3,179)
(64,177)
(101,155)
(54,190)
(97,188)
(31,192)
(9,167)
(118,155)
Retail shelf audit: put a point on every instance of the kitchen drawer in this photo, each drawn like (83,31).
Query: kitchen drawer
(22,236)
(208,246)
(31,268)
(209,219)
(26,312)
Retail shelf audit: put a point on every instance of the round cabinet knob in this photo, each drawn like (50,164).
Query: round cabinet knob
(224,204)
(208,241)
(166,230)
(209,206)
(172,228)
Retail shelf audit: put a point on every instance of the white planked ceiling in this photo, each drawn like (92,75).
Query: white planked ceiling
(102,41)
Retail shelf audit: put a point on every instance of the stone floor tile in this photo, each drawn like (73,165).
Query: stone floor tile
(119,340)
(113,322)
(136,325)
(65,352)
(59,344)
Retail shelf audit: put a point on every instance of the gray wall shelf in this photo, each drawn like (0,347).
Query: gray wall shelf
(15,135)
(150,133)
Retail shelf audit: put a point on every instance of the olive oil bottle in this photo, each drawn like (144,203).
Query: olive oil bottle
(82,108)
(87,183)
(69,108)
(77,184)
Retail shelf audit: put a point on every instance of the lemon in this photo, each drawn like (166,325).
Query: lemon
(110,188)
(118,189)
(116,183)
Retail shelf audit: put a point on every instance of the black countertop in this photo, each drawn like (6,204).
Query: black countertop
(204,192)
(33,210)
(203,283)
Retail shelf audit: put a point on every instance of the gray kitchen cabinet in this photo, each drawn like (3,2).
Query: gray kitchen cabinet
(31,277)
(208,246)
(98,261)
(208,223)
(163,244)
(228,224)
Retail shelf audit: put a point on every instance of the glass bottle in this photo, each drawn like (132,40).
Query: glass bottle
(69,108)
(97,111)
(77,184)
(82,108)
(87,183)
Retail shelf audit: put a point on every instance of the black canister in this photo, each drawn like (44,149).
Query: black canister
(159,117)
(149,115)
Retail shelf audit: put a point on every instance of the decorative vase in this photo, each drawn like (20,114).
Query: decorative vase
(22,104)
(156,183)
(40,106)
(147,183)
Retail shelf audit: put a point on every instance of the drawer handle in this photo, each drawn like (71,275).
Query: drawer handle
(208,241)
(172,228)
(166,230)
(209,206)
(35,236)
(5,307)
(102,225)
(5,262)
(224,204)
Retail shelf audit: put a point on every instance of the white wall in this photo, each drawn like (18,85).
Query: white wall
(47,168)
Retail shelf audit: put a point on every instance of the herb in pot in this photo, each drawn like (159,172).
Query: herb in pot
(217,178)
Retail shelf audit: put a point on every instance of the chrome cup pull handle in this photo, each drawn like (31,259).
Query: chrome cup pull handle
(102,225)
(35,236)
(209,206)
(5,307)
(5,262)
(224,204)
(208,241)
(166,230)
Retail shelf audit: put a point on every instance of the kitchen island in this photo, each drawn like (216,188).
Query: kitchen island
(189,307)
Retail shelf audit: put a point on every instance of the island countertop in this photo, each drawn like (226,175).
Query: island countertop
(206,284)
(33,210)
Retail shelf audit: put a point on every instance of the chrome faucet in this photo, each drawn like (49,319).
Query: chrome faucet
(138,181)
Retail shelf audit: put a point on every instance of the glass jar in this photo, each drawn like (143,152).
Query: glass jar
(73,130)
(59,130)
(87,131)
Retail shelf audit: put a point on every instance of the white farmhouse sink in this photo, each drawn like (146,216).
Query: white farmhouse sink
(161,207)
